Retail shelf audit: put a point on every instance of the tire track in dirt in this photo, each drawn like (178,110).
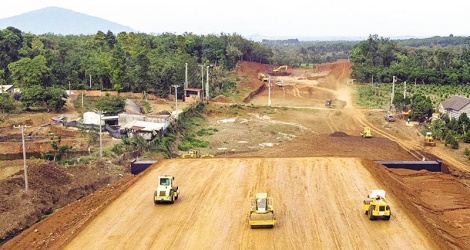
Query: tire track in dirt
(314,204)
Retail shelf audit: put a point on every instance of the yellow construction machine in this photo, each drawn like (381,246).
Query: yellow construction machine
(366,133)
(262,212)
(166,192)
(194,153)
(280,69)
(263,77)
(429,140)
(375,206)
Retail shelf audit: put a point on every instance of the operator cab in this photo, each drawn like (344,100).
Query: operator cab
(165,181)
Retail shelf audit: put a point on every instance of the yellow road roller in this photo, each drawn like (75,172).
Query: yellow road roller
(262,212)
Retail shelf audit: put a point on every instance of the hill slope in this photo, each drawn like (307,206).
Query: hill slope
(61,21)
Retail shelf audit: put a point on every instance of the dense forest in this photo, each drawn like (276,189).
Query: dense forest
(442,61)
(434,41)
(126,61)
(297,53)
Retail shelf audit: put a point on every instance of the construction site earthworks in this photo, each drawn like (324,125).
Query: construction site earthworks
(281,140)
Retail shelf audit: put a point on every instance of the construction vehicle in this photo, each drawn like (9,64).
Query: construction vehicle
(330,104)
(389,118)
(280,69)
(166,192)
(263,77)
(366,133)
(375,206)
(194,153)
(429,140)
(262,212)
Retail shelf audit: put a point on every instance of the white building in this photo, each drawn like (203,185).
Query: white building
(455,106)
(145,126)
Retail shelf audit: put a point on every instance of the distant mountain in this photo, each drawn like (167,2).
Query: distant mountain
(61,21)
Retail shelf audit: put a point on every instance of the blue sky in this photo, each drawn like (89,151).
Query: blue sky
(294,18)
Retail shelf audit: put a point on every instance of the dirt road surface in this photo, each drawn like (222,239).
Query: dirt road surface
(317,205)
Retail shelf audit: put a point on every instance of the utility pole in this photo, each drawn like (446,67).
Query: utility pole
(269,91)
(101,140)
(207,84)
(393,91)
(186,76)
(176,99)
(404,91)
(24,157)
(202,82)
(100,112)
(90,81)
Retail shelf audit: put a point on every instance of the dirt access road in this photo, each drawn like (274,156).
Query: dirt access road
(312,161)
(317,204)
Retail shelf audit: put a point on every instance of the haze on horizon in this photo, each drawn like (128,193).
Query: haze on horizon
(295,18)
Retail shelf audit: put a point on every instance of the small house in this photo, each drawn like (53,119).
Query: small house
(92,118)
(455,106)
(147,126)
(148,130)
(5,89)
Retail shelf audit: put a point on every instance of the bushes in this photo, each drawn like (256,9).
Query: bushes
(466,137)
(466,152)
(190,141)
(451,140)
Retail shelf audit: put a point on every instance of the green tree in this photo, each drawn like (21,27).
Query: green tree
(451,140)
(421,107)
(6,103)
(11,41)
(400,102)
(54,98)
(111,105)
(32,96)
(110,39)
(59,150)
(51,98)
(453,125)
(464,123)
(27,72)
(438,129)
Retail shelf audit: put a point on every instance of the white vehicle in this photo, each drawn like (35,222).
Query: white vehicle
(166,192)
(389,118)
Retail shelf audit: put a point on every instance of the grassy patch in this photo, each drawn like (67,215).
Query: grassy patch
(89,103)
(378,96)
(190,141)
(209,131)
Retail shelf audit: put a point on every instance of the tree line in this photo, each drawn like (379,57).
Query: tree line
(133,62)
(435,61)
(298,53)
